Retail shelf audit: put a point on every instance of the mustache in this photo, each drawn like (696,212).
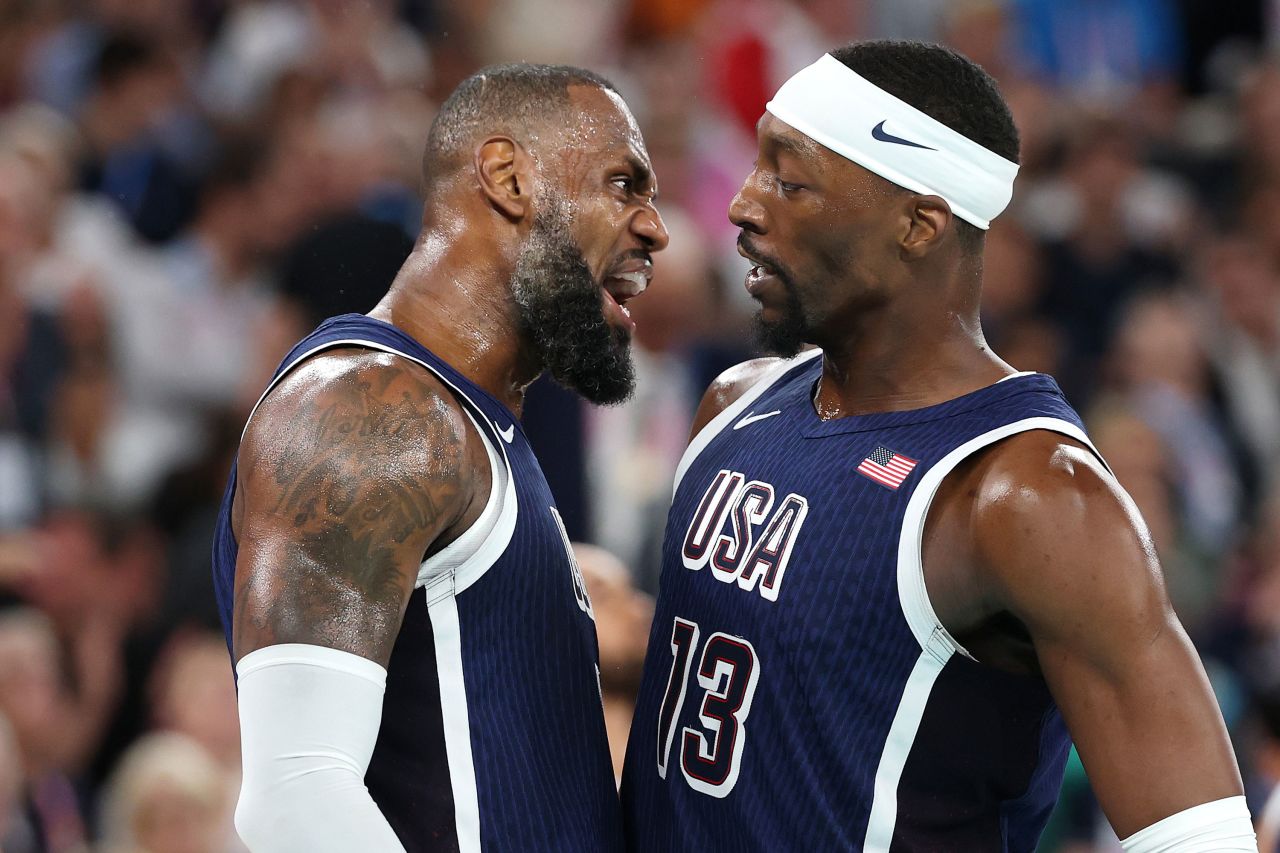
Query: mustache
(745,244)
(633,255)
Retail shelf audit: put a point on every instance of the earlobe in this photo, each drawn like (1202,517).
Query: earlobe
(930,221)
(503,169)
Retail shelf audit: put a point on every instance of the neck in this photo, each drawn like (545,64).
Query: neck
(920,350)
(453,297)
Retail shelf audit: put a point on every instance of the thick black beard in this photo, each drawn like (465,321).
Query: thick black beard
(561,311)
(787,336)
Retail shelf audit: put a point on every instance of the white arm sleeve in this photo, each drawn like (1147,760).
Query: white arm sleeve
(1222,826)
(309,718)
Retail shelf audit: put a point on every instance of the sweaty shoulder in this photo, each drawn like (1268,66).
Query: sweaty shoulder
(728,387)
(1049,522)
(355,467)
(354,414)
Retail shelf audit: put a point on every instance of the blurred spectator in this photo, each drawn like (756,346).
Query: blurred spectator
(622,617)
(1110,226)
(167,796)
(12,820)
(1244,346)
(352,45)
(1105,49)
(50,726)
(1162,375)
(135,82)
(192,693)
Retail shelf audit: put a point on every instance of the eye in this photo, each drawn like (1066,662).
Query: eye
(788,187)
(623,182)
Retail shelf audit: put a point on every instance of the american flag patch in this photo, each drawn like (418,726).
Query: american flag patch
(886,467)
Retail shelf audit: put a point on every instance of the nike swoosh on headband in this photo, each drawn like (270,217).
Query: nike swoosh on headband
(880,134)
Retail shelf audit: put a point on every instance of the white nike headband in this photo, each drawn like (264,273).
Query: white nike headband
(843,111)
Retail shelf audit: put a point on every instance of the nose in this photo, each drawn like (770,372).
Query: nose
(649,227)
(744,211)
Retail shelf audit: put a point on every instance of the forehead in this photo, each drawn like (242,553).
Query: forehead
(605,125)
(775,137)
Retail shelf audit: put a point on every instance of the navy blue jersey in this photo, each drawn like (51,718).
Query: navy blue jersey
(799,692)
(492,729)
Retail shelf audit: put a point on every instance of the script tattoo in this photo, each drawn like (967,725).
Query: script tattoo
(362,476)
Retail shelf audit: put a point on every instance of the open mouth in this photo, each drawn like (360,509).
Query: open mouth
(623,283)
(761,271)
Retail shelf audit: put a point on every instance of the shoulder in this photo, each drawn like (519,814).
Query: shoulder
(729,386)
(1051,526)
(376,414)
(1037,473)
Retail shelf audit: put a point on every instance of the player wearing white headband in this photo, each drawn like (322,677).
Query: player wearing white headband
(898,578)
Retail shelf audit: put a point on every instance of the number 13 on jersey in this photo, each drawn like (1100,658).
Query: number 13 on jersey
(727,674)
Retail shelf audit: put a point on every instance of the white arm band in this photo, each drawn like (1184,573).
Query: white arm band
(1218,827)
(309,719)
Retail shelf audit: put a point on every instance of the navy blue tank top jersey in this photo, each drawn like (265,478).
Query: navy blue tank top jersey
(799,692)
(492,732)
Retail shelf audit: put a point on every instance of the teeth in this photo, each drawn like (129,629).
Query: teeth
(628,284)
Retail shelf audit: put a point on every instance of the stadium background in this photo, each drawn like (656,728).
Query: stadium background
(187,186)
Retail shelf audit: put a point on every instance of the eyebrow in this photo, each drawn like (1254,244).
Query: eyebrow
(644,174)
(804,146)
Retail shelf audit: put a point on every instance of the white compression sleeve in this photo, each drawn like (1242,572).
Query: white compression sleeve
(309,719)
(1222,826)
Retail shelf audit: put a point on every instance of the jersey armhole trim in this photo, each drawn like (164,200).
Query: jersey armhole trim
(464,560)
(913,595)
(472,567)
(717,424)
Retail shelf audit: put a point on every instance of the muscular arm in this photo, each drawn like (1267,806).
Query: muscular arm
(356,466)
(352,468)
(1061,547)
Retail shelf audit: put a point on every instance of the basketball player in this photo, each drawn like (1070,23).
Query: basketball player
(897,573)
(387,525)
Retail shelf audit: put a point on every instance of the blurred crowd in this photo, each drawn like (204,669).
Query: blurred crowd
(188,186)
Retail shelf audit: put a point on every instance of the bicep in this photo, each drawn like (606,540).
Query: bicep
(343,494)
(1075,565)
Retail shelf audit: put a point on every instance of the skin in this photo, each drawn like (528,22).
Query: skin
(1034,557)
(359,464)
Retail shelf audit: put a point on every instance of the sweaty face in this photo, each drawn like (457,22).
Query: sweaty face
(562,312)
(818,232)
(589,250)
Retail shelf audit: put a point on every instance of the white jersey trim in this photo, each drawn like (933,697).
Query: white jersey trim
(447,632)
(902,733)
(717,424)
(912,593)
(936,643)
(464,560)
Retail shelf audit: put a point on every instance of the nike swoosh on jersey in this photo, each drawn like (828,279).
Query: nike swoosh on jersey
(750,419)
(508,434)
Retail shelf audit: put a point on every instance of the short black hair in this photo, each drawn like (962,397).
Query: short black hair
(516,99)
(946,86)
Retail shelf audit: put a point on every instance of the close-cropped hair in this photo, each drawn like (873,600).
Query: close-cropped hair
(946,86)
(515,99)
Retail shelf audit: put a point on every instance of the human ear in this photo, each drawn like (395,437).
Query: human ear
(504,170)
(930,218)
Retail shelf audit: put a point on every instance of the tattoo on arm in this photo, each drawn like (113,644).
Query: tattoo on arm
(346,497)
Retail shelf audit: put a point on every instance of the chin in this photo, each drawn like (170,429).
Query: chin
(784,337)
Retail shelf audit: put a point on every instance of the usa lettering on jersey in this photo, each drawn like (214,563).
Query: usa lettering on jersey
(757,545)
